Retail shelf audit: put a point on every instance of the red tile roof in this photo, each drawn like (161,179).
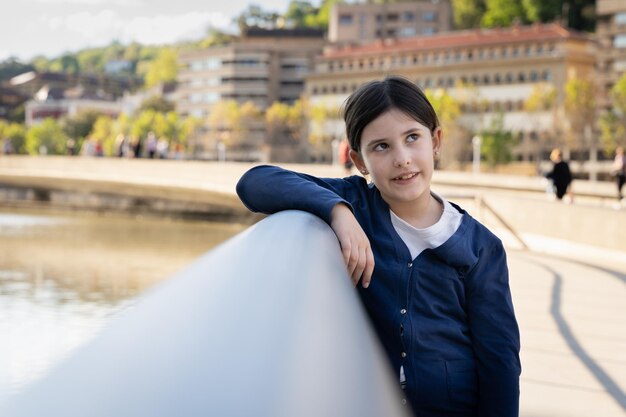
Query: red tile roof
(458,39)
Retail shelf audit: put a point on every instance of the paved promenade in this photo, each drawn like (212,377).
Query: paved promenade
(570,297)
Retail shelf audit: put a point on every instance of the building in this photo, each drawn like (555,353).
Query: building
(10,102)
(611,33)
(488,71)
(100,87)
(263,67)
(367,22)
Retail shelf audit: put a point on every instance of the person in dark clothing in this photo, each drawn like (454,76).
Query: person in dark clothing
(560,175)
(434,281)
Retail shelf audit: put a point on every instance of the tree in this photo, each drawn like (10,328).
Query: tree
(46,137)
(79,126)
(468,13)
(284,123)
(503,13)
(496,142)
(298,11)
(580,108)
(103,132)
(321,18)
(542,10)
(158,104)
(163,69)
(16,135)
(255,16)
(613,121)
(448,110)
(230,122)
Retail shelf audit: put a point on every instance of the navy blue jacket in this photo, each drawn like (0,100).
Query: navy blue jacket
(445,316)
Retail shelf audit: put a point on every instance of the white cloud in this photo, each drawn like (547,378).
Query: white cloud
(92,2)
(106,25)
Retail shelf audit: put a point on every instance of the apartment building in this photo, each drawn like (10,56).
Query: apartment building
(263,66)
(367,22)
(611,34)
(488,71)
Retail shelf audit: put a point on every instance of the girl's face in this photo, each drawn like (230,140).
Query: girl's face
(398,153)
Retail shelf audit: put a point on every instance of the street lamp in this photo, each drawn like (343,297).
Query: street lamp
(476,142)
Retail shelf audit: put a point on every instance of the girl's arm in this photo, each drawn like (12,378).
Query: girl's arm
(269,189)
(495,334)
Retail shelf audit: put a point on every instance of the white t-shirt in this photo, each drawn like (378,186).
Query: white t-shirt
(430,237)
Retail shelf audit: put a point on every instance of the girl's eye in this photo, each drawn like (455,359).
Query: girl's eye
(412,137)
(380,147)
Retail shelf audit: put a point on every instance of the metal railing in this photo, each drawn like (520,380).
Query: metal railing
(267,324)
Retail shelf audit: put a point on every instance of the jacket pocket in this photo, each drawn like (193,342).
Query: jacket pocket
(462,381)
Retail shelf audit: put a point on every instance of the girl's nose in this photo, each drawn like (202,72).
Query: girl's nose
(402,159)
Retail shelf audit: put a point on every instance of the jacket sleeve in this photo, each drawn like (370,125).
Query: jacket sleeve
(269,189)
(495,334)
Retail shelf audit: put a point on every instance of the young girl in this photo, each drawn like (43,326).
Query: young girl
(433,280)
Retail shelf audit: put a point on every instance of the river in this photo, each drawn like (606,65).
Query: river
(64,276)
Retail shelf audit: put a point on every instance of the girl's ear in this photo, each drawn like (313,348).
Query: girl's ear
(358,161)
(437,139)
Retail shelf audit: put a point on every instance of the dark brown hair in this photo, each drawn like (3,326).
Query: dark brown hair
(376,97)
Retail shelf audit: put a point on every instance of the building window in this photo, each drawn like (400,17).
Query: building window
(331,67)
(508,78)
(428,83)
(408,16)
(450,82)
(345,19)
(497,79)
(534,76)
(528,51)
(620,18)
(521,77)
(379,18)
(407,32)
(546,75)
(415,60)
(428,31)
(516,51)
(620,41)
(486,79)
(315,90)
(392,17)
(429,16)
(475,80)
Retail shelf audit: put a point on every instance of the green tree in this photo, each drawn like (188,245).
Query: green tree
(143,124)
(503,13)
(542,10)
(297,11)
(79,126)
(320,19)
(284,123)
(158,104)
(580,108)
(163,69)
(613,121)
(103,132)
(15,133)
(66,63)
(497,142)
(47,137)
(468,13)
(231,122)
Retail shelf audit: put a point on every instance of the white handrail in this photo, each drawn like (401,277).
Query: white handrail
(267,324)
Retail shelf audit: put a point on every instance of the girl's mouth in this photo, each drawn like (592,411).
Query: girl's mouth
(405,177)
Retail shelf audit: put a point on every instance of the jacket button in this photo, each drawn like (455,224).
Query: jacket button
(410,264)
(403,354)
(404,401)
(403,311)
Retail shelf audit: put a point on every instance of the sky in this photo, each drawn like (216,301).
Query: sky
(52,27)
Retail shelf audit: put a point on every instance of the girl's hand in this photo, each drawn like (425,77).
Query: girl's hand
(355,245)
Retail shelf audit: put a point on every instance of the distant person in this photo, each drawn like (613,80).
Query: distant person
(162,147)
(560,175)
(7,146)
(619,171)
(344,156)
(136,147)
(151,145)
(70,146)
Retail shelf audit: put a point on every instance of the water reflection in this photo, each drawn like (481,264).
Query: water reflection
(62,278)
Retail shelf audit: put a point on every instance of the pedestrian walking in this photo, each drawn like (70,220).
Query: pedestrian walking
(560,175)
(619,171)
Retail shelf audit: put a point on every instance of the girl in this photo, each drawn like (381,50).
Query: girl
(433,280)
